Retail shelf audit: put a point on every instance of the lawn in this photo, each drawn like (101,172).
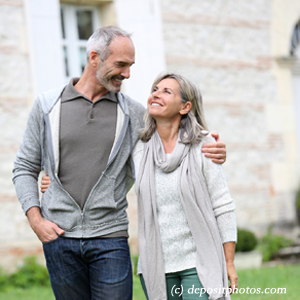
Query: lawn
(281,276)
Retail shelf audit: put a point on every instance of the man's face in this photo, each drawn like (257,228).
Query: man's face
(116,67)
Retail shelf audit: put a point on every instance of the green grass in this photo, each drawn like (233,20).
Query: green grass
(266,277)
(33,293)
(45,293)
(281,276)
(138,293)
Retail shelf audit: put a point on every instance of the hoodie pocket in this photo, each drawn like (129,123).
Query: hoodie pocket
(104,197)
(102,204)
(60,209)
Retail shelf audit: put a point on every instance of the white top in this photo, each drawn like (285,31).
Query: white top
(178,246)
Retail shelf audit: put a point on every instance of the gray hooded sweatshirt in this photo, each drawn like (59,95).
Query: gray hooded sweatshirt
(105,209)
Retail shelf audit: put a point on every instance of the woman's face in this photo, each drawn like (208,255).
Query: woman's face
(165,100)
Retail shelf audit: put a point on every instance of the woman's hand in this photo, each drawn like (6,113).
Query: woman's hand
(232,277)
(45,183)
(216,151)
(229,249)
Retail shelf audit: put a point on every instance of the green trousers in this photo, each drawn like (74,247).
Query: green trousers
(183,285)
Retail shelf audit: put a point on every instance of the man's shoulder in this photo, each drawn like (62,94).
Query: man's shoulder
(48,99)
(133,104)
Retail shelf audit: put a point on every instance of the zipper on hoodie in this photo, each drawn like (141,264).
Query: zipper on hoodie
(52,164)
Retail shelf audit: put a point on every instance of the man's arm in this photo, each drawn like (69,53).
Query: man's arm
(27,167)
(27,164)
(216,151)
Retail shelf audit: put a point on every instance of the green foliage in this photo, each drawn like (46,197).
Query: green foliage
(270,244)
(30,274)
(247,240)
(4,280)
(298,200)
(134,261)
(281,276)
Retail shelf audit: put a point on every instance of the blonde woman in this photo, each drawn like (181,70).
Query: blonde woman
(187,227)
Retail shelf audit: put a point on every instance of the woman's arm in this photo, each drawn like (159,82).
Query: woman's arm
(223,207)
(45,183)
(229,248)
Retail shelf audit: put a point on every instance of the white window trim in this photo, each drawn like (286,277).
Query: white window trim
(73,43)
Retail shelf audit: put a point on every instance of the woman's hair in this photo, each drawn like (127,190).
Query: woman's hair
(192,125)
(102,38)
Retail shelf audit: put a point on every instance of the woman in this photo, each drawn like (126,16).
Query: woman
(187,227)
(185,209)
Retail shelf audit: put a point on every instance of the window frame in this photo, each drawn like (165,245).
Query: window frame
(295,41)
(71,42)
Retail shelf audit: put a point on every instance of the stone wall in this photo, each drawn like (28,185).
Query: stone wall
(226,48)
(16,237)
(230,49)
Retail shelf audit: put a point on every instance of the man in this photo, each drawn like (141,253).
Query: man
(83,135)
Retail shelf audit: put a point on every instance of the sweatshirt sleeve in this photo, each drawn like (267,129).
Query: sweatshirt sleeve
(27,164)
(222,203)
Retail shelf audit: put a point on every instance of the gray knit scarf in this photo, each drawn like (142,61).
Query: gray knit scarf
(210,263)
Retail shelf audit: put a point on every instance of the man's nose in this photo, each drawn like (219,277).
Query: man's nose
(126,73)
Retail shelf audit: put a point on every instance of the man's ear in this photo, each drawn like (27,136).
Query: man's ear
(94,59)
(186,108)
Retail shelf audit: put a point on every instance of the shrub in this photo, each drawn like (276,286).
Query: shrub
(270,244)
(298,201)
(30,274)
(247,240)
(4,280)
(298,206)
(134,261)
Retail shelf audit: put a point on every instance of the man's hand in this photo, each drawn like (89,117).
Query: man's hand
(45,230)
(216,151)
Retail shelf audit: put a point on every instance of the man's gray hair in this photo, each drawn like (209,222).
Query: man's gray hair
(102,38)
(193,126)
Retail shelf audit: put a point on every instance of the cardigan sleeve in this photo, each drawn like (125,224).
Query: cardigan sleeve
(27,164)
(222,203)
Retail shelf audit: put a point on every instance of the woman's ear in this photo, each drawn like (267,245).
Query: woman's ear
(186,108)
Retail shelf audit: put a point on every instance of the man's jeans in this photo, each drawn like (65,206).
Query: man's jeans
(89,269)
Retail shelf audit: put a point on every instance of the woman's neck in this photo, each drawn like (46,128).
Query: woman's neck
(168,133)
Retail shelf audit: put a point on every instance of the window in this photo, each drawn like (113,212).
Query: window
(77,24)
(295,43)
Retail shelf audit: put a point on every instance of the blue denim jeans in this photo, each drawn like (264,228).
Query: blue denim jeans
(89,269)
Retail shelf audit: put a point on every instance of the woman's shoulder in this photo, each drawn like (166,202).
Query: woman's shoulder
(207,138)
(138,149)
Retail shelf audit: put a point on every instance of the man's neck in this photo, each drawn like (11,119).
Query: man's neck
(90,87)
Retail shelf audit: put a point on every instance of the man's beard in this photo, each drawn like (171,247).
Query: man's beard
(106,82)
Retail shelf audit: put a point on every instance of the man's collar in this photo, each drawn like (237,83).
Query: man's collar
(70,93)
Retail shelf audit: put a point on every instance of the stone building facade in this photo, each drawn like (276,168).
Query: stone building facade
(238,53)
